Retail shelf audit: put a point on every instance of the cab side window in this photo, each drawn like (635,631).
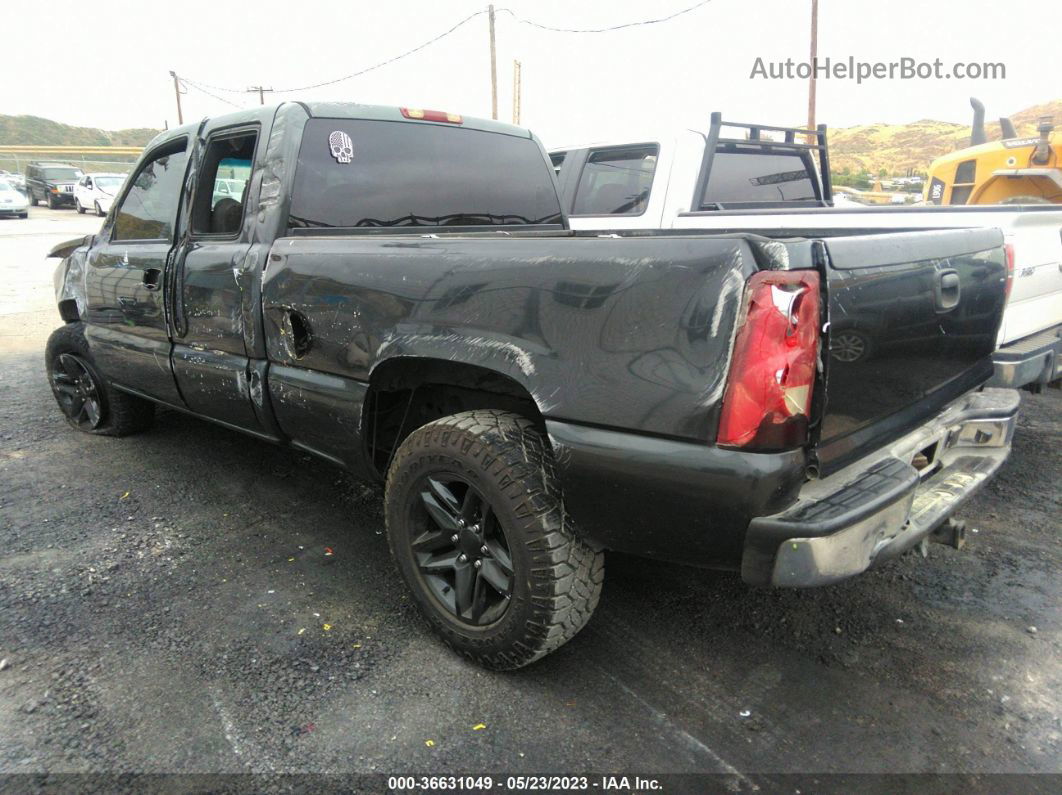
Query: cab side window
(149,210)
(221,195)
(616,181)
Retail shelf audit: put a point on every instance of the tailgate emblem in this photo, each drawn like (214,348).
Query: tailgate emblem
(341,147)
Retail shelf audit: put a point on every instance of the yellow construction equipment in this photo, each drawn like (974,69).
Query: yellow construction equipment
(1011,171)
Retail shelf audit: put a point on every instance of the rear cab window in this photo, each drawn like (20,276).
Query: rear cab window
(754,177)
(616,180)
(358,173)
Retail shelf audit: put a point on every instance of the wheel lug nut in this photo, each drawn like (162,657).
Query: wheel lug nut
(454,537)
(463,557)
(484,549)
(478,563)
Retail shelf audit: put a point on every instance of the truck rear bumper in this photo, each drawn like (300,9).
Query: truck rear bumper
(1036,359)
(884,504)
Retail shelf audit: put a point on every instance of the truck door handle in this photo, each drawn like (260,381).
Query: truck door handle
(948,290)
(151,278)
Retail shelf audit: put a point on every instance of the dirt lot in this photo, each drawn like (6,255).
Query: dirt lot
(167,604)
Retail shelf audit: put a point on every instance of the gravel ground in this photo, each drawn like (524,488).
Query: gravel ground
(168,604)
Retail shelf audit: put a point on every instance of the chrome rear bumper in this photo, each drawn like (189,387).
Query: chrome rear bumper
(884,504)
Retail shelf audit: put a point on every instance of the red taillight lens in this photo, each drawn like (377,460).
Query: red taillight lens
(431,115)
(772,371)
(1009,248)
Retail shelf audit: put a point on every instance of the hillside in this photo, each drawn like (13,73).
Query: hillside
(896,148)
(45,132)
(899,147)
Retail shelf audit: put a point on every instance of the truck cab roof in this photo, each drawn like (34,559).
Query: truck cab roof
(343,110)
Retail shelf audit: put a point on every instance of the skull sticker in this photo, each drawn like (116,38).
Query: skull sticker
(341,146)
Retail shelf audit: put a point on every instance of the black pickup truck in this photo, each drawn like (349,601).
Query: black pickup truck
(397,291)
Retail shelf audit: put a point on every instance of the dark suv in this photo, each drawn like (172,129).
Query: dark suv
(53,182)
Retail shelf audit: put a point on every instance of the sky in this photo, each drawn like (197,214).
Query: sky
(111,59)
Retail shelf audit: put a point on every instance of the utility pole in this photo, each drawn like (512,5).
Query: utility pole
(516,92)
(177,91)
(493,66)
(260,90)
(814,54)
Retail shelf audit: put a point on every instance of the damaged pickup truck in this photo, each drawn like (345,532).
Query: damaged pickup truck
(397,291)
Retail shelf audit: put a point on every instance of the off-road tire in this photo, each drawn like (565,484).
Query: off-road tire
(50,202)
(557,577)
(122,414)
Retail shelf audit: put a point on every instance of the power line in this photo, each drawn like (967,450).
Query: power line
(260,91)
(609,29)
(202,90)
(520,20)
(399,57)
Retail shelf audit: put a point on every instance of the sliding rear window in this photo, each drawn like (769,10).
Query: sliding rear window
(364,174)
(752,176)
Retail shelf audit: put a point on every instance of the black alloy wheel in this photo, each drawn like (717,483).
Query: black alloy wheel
(477,527)
(461,551)
(77,391)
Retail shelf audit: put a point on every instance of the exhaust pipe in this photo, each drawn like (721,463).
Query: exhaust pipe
(977,130)
(1042,153)
(1007,126)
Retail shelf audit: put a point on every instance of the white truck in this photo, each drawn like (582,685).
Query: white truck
(706,181)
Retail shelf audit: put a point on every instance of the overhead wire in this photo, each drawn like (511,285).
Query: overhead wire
(207,87)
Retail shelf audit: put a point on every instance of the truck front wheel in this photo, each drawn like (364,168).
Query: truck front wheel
(87,401)
(478,529)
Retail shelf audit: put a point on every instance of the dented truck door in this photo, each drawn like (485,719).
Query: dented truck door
(126,271)
(214,304)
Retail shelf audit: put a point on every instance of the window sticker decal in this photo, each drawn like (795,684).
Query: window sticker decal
(341,146)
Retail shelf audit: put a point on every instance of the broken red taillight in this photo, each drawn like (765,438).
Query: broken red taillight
(1009,249)
(772,372)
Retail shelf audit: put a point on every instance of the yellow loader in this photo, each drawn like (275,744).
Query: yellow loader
(1012,171)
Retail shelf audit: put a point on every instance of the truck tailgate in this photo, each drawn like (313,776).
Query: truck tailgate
(913,318)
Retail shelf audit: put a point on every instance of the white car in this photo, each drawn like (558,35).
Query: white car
(228,189)
(12,202)
(97,192)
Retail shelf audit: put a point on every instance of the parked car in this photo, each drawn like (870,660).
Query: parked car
(228,189)
(97,192)
(16,181)
(52,182)
(532,396)
(706,181)
(12,202)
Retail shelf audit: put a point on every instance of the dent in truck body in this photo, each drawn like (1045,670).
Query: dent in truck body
(629,333)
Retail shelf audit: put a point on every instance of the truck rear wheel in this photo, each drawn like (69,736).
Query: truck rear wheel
(87,401)
(478,529)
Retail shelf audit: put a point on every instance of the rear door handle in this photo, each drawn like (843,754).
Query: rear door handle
(947,290)
(152,278)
